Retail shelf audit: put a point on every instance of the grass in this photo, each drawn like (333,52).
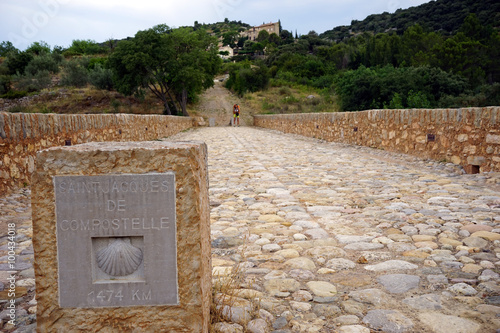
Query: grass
(289,99)
(88,100)
(225,295)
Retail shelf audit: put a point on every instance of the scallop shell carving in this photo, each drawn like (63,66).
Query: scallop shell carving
(119,258)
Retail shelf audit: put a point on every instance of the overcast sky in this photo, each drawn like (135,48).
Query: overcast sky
(58,22)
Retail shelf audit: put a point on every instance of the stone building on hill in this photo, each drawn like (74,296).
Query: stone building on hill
(253,32)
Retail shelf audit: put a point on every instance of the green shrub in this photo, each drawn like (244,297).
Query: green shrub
(17,61)
(75,73)
(101,78)
(14,94)
(417,100)
(18,109)
(43,62)
(33,82)
(5,82)
(285,91)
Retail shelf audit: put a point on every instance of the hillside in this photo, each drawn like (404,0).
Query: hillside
(441,15)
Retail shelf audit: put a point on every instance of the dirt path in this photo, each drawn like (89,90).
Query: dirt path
(217,102)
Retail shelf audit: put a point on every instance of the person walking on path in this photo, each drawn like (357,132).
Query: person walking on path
(236,114)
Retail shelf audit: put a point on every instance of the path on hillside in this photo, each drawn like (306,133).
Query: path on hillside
(217,102)
(325,237)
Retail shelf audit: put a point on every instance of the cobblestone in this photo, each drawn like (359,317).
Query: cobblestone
(325,237)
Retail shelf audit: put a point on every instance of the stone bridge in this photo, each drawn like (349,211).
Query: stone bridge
(313,236)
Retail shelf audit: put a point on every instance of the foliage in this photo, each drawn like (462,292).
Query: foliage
(246,78)
(33,82)
(75,73)
(101,78)
(17,61)
(84,47)
(38,48)
(5,84)
(42,62)
(442,15)
(6,47)
(392,87)
(174,64)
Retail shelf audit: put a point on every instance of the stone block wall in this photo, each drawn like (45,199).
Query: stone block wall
(22,135)
(469,136)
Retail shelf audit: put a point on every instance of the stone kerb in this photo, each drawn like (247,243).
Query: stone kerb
(469,137)
(121,237)
(22,135)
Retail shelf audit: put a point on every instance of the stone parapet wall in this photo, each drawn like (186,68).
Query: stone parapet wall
(469,136)
(22,135)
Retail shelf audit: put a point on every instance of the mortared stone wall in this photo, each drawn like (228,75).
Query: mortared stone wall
(469,137)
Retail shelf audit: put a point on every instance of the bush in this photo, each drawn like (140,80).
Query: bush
(75,73)
(5,82)
(17,61)
(14,94)
(101,78)
(44,62)
(243,78)
(33,82)
(417,87)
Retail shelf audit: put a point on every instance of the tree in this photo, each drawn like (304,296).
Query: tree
(175,65)
(84,47)
(6,48)
(263,36)
(230,38)
(38,48)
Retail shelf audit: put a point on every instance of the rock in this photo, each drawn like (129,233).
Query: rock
(441,323)
(271,248)
(391,265)
(316,233)
(302,296)
(399,283)
(347,320)
(424,302)
(326,252)
(338,264)
(326,310)
(348,239)
(257,326)
(322,288)
(353,329)
(227,328)
(281,285)
(369,296)
(390,321)
(475,242)
(280,323)
(476,227)
(301,274)
(300,263)
(363,246)
(462,289)
(491,236)
(300,306)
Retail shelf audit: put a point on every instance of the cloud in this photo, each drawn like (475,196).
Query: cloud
(58,22)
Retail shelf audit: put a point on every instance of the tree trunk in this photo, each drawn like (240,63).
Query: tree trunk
(184,103)
(166,109)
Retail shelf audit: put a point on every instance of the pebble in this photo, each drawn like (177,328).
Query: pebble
(327,237)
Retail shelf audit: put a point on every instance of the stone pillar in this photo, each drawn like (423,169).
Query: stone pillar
(121,237)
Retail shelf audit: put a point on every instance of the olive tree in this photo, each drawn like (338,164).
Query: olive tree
(174,64)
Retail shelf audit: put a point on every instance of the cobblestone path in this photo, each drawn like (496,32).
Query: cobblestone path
(309,236)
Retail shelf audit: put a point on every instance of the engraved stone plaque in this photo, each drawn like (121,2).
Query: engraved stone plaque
(116,240)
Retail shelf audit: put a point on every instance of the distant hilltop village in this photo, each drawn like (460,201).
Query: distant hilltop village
(253,32)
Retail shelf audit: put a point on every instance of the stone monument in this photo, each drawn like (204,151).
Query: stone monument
(121,237)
